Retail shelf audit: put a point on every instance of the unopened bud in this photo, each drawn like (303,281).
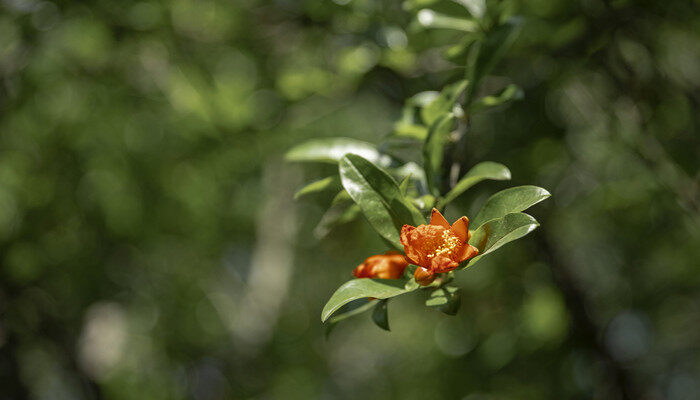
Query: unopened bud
(424,276)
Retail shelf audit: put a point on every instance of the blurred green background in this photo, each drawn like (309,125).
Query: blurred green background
(150,247)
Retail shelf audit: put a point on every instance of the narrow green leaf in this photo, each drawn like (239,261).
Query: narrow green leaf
(511,92)
(407,126)
(478,173)
(422,99)
(361,288)
(477,8)
(341,197)
(380,315)
(433,151)
(331,150)
(321,185)
(485,53)
(410,130)
(444,103)
(459,51)
(431,19)
(338,214)
(405,183)
(497,232)
(515,199)
(446,299)
(379,197)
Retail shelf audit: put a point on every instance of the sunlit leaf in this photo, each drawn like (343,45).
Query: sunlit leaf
(380,315)
(405,183)
(331,150)
(478,173)
(410,130)
(361,288)
(511,92)
(433,151)
(407,126)
(458,52)
(379,197)
(444,103)
(431,19)
(497,232)
(477,8)
(321,185)
(341,197)
(422,99)
(511,200)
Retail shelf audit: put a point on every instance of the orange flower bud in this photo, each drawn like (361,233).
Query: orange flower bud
(384,266)
(424,276)
(437,247)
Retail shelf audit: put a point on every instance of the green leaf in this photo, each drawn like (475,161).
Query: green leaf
(486,52)
(341,197)
(477,8)
(379,197)
(380,315)
(511,92)
(348,310)
(446,299)
(410,130)
(478,173)
(511,200)
(497,232)
(433,151)
(459,51)
(407,126)
(338,214)
(405,183)
(361,288)
(444,103)
(422,99)
(331,150)
(321,185)
(431,19)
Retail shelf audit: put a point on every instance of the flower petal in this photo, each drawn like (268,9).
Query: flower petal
(467,252)
(461,229)
(361,271)
(441,264)
(437,219)
(412,254)
(405,231)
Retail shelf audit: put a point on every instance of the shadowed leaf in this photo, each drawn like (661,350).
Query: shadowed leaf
(380,315)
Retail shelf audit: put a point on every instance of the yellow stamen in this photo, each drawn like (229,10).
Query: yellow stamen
(450,242)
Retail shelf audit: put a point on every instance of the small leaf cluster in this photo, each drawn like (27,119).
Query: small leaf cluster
(389,191)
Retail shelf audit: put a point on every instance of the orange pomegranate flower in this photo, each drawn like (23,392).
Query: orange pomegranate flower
(437,247)
(384,266)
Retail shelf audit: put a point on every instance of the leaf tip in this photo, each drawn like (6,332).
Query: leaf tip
(326,313)
(506,174)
